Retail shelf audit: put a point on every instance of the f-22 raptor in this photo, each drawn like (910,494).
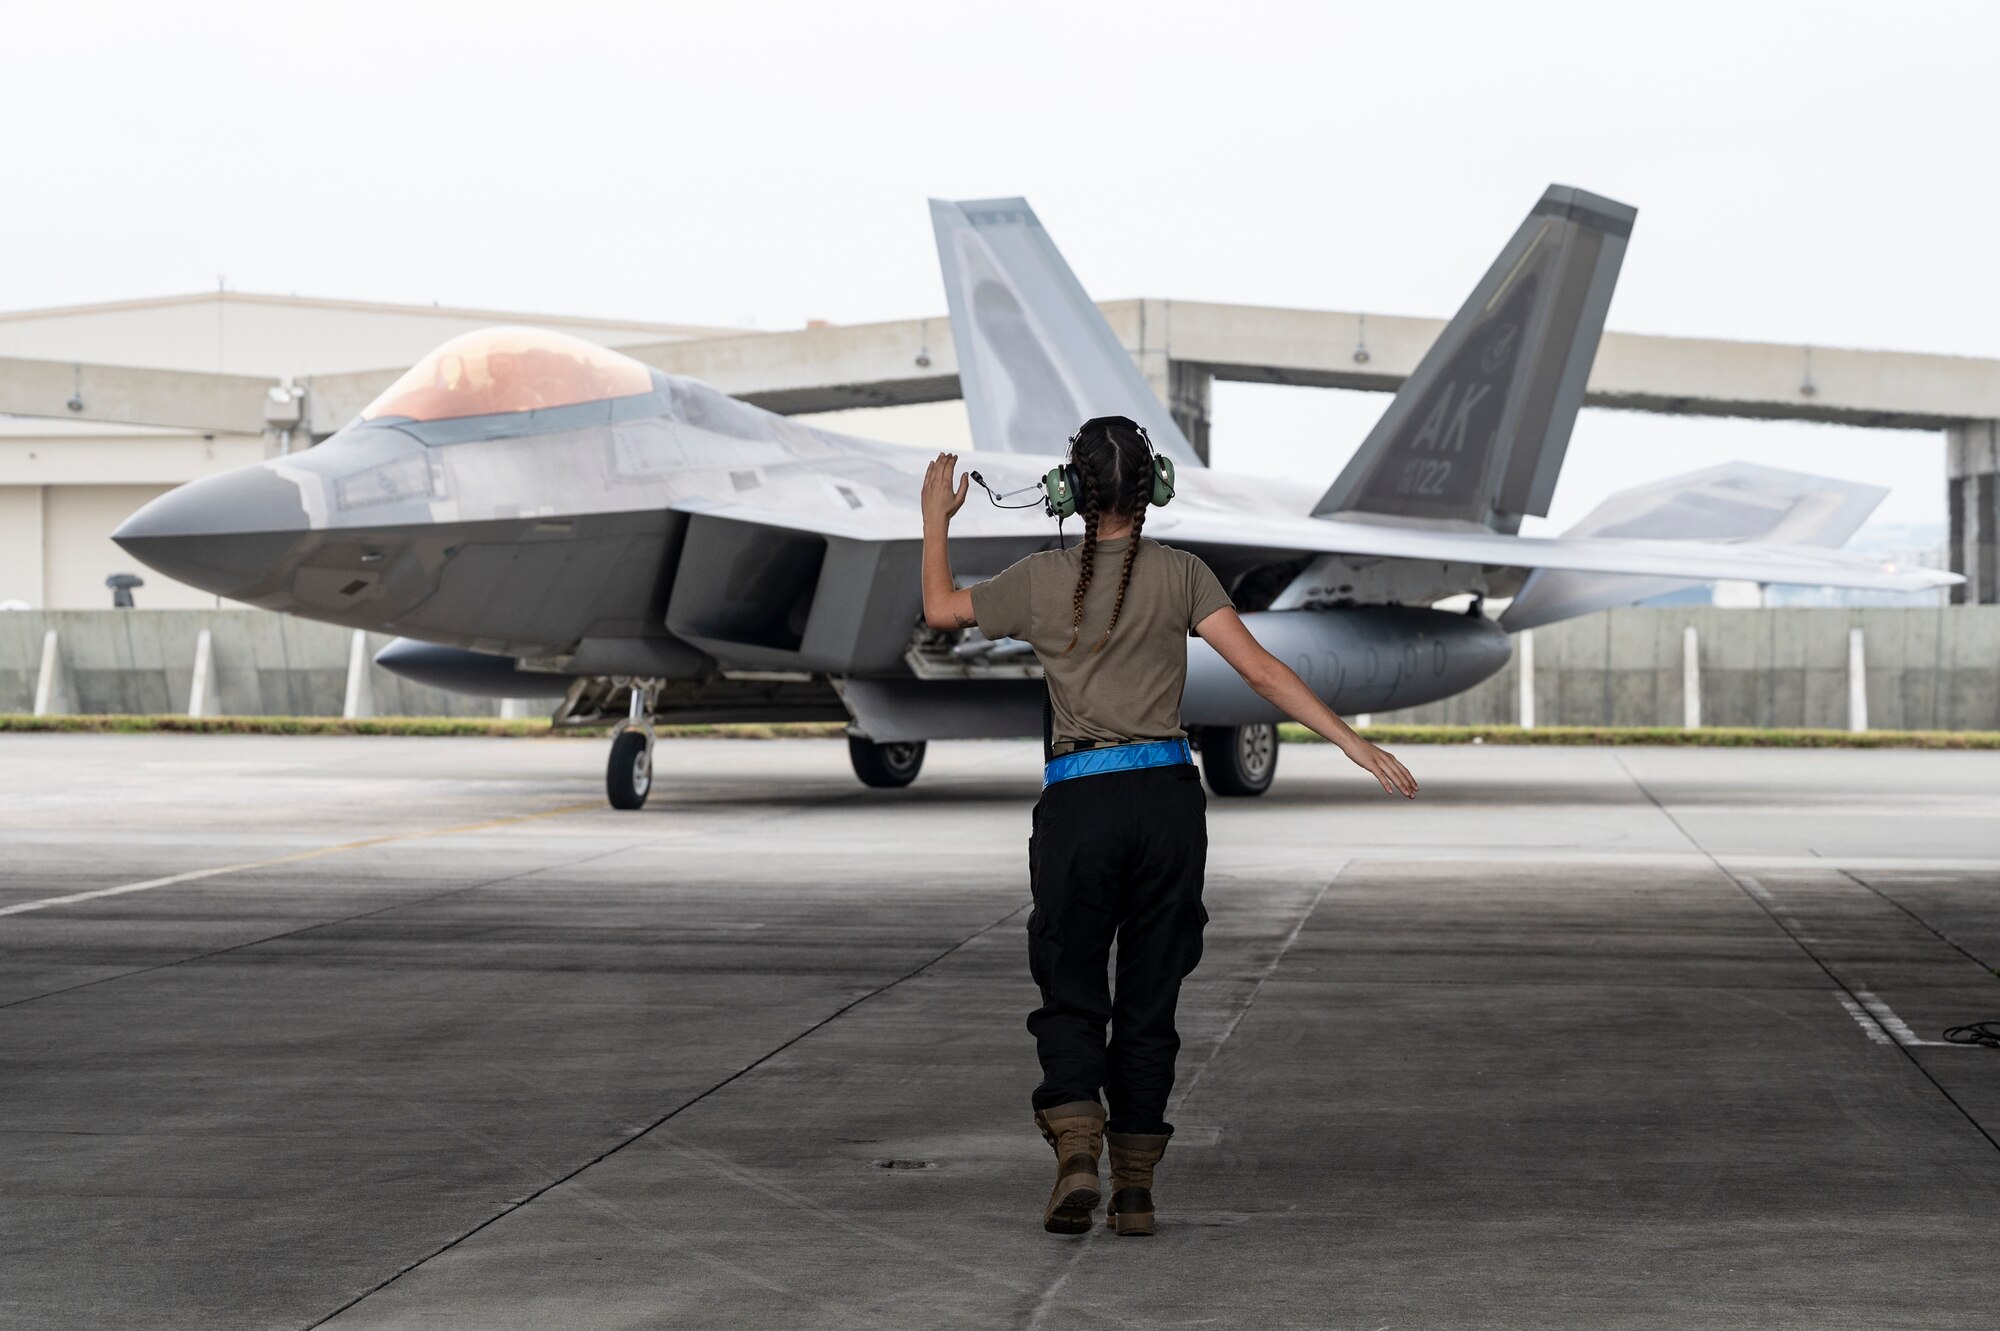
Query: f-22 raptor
(534,515)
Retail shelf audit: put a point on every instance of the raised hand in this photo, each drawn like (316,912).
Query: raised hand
(940,502)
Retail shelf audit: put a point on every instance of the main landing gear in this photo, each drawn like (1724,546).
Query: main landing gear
(1239,760)
(628,777)
(885,766)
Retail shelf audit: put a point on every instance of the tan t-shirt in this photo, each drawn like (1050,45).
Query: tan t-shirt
(1131,689)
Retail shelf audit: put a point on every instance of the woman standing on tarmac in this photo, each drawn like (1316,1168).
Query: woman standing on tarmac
(1119,836)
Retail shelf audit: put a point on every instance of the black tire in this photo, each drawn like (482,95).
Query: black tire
(628,777)
(885,766)
(1239,760)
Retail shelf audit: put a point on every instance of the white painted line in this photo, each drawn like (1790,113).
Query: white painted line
(1867,1023)
(193,875)
(120,890)
(1895,1025)
(1875,1017)
(1778,912)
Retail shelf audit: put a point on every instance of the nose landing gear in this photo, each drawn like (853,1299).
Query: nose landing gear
(885,766)
(628,777)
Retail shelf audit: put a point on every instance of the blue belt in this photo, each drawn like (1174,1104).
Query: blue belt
(1117,758)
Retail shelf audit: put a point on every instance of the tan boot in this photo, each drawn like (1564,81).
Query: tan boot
(1133,1155)
(1076,1131)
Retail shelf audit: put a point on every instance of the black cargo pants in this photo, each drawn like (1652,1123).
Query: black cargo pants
(1117,856)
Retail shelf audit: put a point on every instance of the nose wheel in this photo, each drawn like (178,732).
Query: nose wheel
(628,776)
(885,766)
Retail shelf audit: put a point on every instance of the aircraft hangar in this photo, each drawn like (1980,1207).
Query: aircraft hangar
(105,406)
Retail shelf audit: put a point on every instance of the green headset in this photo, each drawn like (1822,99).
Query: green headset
(1063,485)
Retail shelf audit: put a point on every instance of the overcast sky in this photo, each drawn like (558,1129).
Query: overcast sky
(1816,172)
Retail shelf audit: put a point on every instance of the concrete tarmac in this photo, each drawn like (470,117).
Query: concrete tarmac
(1582,1038)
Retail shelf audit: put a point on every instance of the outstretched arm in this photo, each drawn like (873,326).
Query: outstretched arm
(1280,684)
(945,606)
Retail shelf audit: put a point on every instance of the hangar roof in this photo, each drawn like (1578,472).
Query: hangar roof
(240,332)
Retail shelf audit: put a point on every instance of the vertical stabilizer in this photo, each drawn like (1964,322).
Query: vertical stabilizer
(1035,357)
(1477,434)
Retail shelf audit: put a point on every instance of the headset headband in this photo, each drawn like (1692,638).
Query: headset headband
(1063,485)
(1107,422)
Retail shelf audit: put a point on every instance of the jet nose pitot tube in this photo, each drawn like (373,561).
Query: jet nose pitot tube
(227,534)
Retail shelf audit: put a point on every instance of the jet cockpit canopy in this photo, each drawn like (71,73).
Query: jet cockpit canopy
(497,370)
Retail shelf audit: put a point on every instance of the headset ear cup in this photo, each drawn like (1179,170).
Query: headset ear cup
(1163,480)
(1059,488)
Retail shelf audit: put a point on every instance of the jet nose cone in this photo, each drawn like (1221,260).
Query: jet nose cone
(226,534)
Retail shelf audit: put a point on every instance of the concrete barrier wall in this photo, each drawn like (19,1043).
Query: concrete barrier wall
(1927,669)
(261,665)
(1930,668)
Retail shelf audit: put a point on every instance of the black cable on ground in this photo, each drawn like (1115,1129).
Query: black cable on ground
(1799,942)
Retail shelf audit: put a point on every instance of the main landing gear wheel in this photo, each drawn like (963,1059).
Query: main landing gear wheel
(1239,760)
(628,779)
(885,766)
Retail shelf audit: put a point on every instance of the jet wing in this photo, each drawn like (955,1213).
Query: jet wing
(1734,502)
(1686,560)
(1288,536)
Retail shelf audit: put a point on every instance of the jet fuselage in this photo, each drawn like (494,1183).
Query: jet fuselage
(679,534)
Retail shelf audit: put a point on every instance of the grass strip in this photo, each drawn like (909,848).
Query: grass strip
(1707,737)
(1722,737)
(494,727)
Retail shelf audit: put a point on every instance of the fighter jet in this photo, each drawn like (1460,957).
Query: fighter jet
(537,516)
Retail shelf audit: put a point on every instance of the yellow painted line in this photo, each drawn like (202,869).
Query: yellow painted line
(194,875)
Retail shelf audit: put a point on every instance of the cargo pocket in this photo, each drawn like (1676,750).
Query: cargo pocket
(1190,949)
(1034,839)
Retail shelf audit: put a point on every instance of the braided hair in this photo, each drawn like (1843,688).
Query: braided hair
(1093,507)
(1142,490)
(1115,466)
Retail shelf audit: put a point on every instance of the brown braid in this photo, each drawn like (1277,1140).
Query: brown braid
(1141,494)
(1088,552)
